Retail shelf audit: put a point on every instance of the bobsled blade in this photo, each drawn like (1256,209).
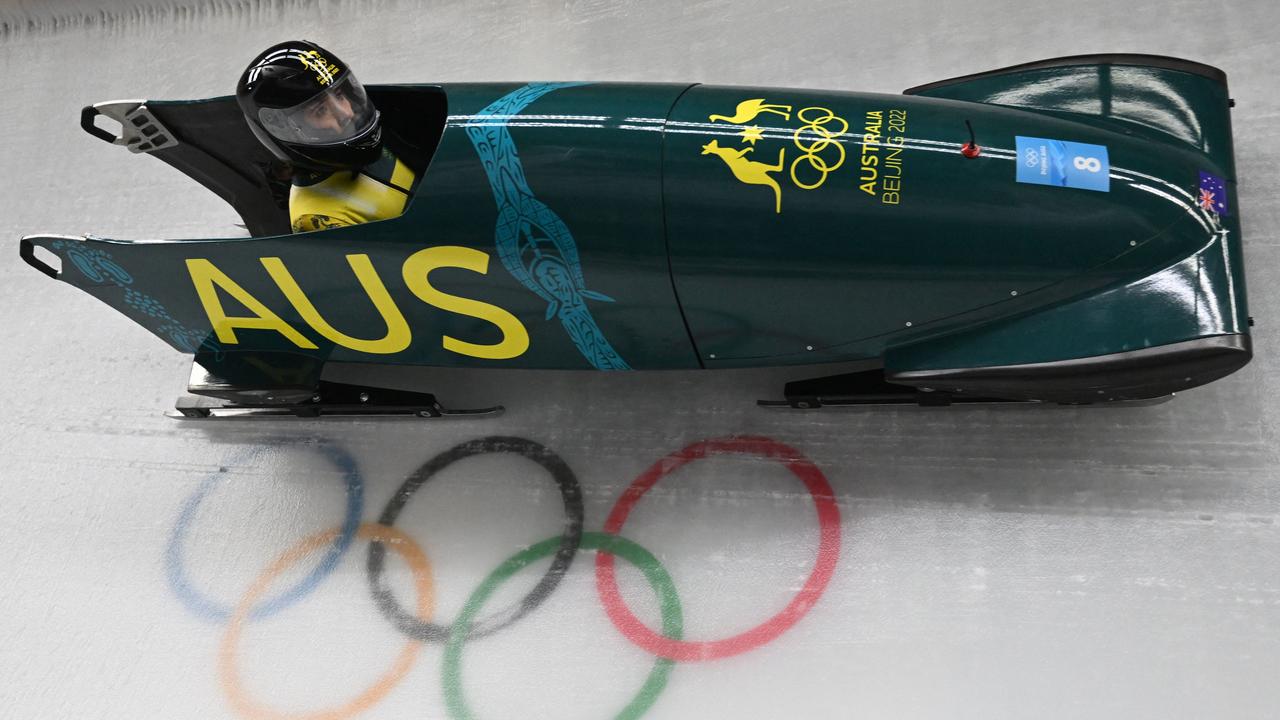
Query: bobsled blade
(191,407)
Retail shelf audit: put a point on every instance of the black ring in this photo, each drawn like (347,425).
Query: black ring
(570,492)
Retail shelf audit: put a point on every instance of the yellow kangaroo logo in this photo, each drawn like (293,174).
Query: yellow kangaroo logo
(749,109)
(749,171)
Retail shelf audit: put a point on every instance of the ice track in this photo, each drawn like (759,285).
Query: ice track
(984,563)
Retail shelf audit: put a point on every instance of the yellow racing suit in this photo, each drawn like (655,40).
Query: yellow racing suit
(378,191)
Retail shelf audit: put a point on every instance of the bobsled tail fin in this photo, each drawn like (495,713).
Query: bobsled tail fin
(1177,98)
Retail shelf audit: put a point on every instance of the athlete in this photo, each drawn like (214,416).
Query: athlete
(309,109)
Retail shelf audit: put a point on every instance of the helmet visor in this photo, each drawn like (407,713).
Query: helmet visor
(338,113)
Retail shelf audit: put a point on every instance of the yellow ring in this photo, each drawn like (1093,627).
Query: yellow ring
(817,163)
(824,119)
(228,665)
(811,150)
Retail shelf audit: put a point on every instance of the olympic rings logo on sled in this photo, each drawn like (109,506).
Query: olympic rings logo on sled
(667,645)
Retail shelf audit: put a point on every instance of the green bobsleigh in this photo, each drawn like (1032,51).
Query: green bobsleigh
(1060,231)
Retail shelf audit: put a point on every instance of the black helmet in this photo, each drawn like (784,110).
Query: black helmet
(307,107)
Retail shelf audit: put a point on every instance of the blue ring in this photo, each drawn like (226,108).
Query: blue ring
(212,610)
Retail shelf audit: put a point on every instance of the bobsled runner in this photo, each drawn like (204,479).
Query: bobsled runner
(1064,231)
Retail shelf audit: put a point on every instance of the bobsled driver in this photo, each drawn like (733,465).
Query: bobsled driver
(307,107)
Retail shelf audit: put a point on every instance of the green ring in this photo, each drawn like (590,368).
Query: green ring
(659,580)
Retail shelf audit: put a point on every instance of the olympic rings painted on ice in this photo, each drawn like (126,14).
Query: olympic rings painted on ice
(210,609)
(570,492)
(667,645)
(659,580)
(828,551)
(812,150)
(228,664)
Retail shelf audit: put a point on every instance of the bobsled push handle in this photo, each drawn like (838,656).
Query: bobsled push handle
(27,250)
(140,131)
(87,116)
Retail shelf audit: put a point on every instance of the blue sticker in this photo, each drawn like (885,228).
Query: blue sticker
(1065,164)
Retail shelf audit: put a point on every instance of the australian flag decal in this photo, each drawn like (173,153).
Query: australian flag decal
(1213,193)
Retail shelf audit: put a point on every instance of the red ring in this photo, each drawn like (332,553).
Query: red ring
(828,551)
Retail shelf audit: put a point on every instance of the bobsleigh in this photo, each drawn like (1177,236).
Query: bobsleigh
(1064,231)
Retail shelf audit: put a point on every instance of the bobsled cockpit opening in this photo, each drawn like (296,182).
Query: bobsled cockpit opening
(413,120)
(210,142)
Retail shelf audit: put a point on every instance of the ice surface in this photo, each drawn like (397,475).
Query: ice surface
(992,563)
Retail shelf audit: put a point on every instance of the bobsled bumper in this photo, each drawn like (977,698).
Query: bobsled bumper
(1132,375)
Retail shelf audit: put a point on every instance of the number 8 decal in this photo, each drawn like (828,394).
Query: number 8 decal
(1090,164)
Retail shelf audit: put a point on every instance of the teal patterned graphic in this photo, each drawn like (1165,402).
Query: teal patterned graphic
(100,268)
(533,242)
